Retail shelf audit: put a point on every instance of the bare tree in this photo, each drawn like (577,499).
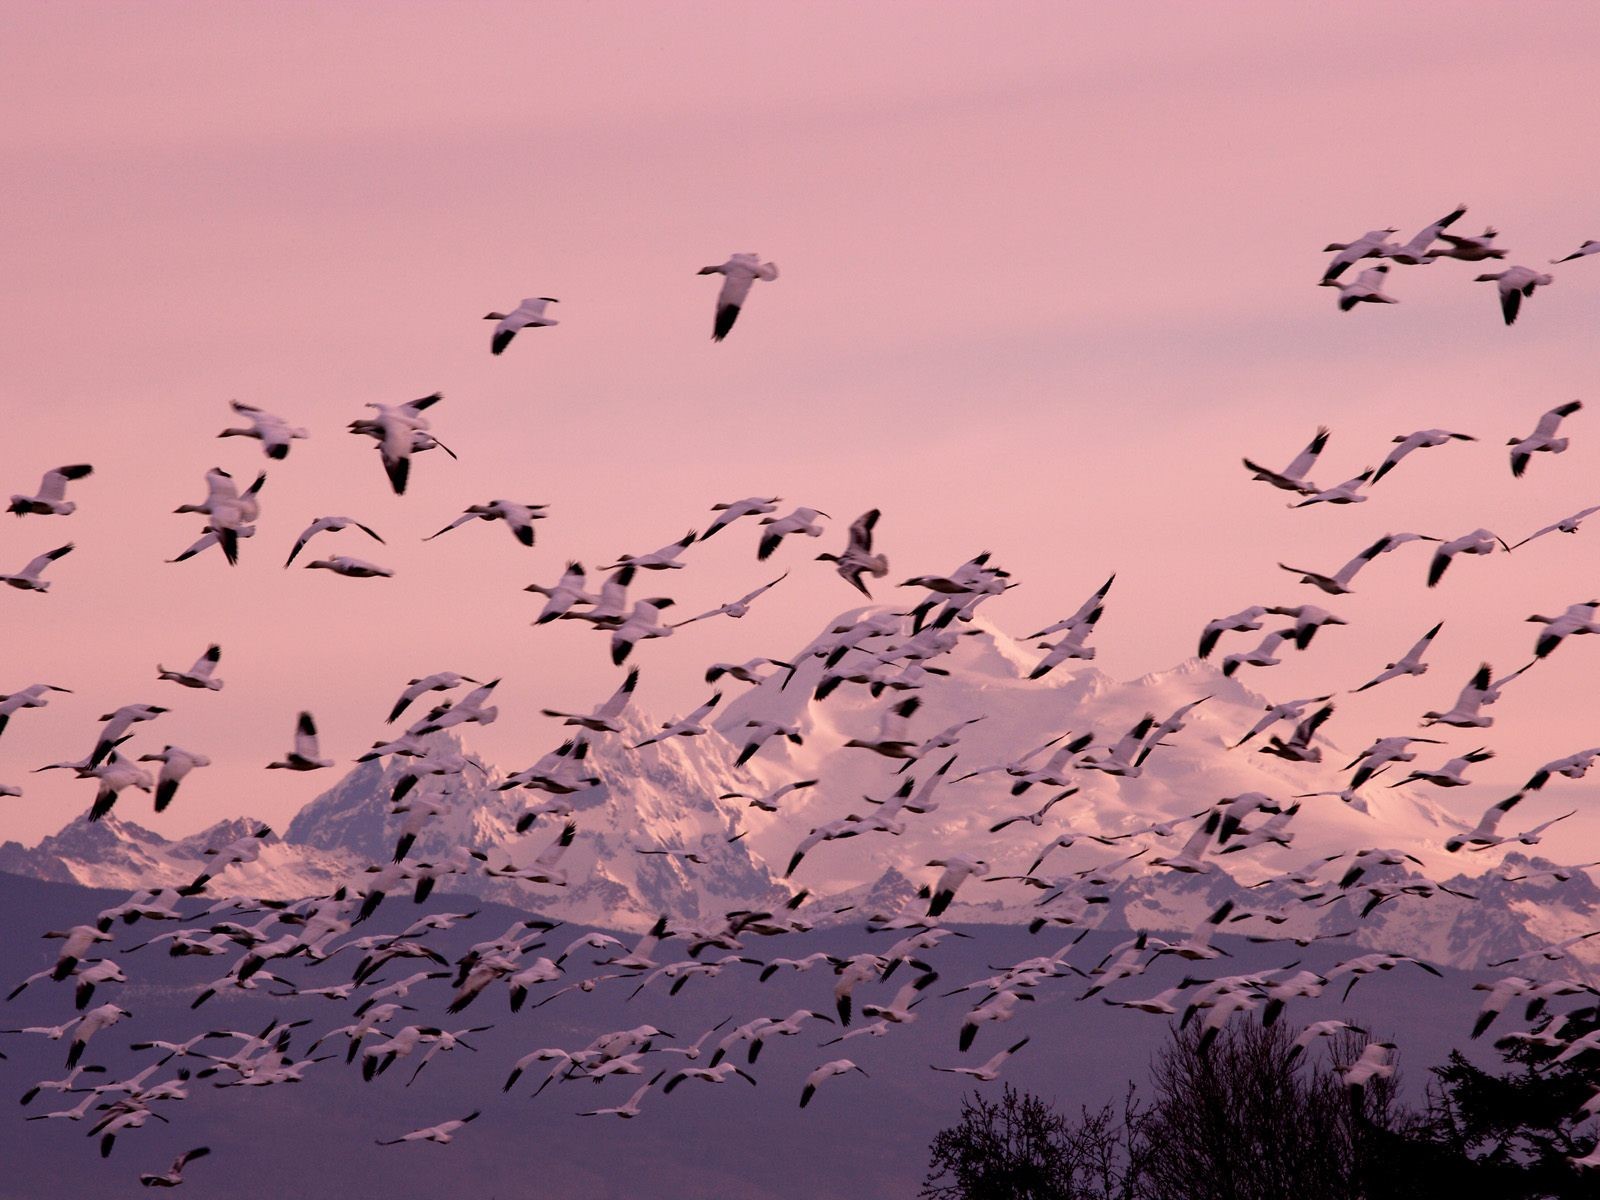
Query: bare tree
(1020,1148)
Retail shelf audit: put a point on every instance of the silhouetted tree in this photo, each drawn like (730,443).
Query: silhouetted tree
(1020,1148)
(1238,1116)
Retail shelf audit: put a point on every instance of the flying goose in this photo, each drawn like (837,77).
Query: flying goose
(328,525)
(1409,663)
(519,518)
(1367,289)
(527,315)
(306,754)
(51,500)
(1513,284)
(1542,439)
(199,675)
(738,273)
(28,579)
(1422,439)
(1293,477)
(858,559)
(273,432)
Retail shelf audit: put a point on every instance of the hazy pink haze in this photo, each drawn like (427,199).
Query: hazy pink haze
(1046,274)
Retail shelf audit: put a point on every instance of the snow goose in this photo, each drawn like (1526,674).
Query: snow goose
(664,559)
(1383,751)
(1583,251)
(1469,247)
(351,568)
(306,755)
(527,315)
(173,1176)
(273,432)
(1293,477)
(28,579)
(858,559)
(1542,439)
(828,1070)
(630,1109)
(198,676)
(1298,747)
(642,622)
(738,274)
(51,500)
(1264,655)
(1422,439)
(442,1134)
(1513,284)
(118,723)
(1452,773)
(1338,584)
(176,763)
(605,718)
(328,525)
(728,513)
(1578,619)
(1246,620)
(738,609)
(562,595)
(775,529)
(1565,525)
(400,431)
(1415,252)
(1479,541)
(439,681)
(35,695)
(1369,245)
(519,518)
(1367,289)
(1409,663)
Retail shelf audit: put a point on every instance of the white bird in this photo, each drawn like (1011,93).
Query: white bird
(769,801)
(1452,773)
(1466,712)
(1565,525)
(1578,619)
(828,1070)
(1376,1062)
(1338,584)
(1348,492)
(562,595)
(893,739)
(519,518)
(1367,289)
(1369,245)
(1422,439)
(1264,655)
(1409,663)
(1383,751)
(328,525)
(1483,835)
(858,559)
(472,709)
(442,1134)
(174,1174)
(353,568)
(51,499)
(1542,439)
(989,1071)
(642,622)
(28,579)
(527,315)
(751,506)
(306,755)
(115,774)
(440,681)
(231,513)
(1246,620)
(400,431)
(1298,747)
(35,695)
(199,675)
(1293,477)
(664,559)
(176,763)
(273,432)
(1589,247)
(1319,1029)
(628,1110)
(93,1022)
(1573,766)
(1415,252)
(1479,541)
(738,273)
(118,723)
(1513,284)
(692,725)
(747,671)
(1468,247)
(775,529)
(958,868)
(603,719)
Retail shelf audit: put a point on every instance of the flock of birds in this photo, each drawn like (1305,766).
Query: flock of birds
(887,653)
(1431,243)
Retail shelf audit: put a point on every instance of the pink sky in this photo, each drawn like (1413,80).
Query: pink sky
(1046,274)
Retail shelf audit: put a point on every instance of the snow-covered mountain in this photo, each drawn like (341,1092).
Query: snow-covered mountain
(667,796)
